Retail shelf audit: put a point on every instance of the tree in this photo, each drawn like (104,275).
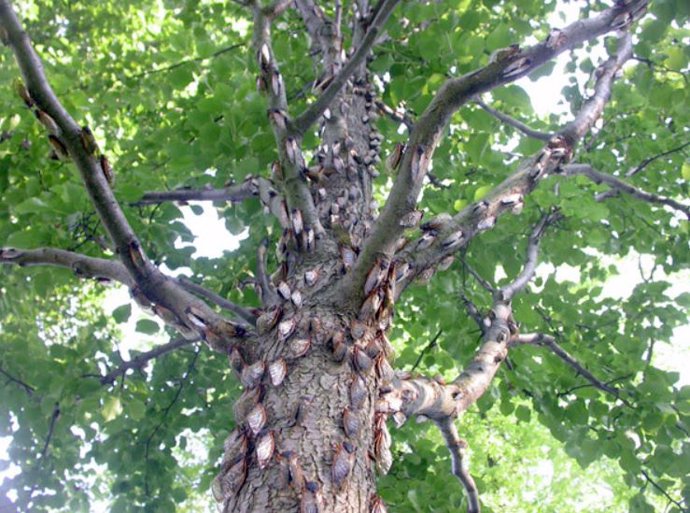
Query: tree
(197,102)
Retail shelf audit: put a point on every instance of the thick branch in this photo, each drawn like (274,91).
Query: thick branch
(509,196)
(619,185)
(594,106)
(139,361)
(289,169)
(541,339)
(443,403)
(518,125)
(321,32)
(82,265)
(316,109)
(68,133)
(456,92)
(188,314)
(421,396)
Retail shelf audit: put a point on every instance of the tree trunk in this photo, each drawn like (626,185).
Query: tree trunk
(314,437)
(318,442)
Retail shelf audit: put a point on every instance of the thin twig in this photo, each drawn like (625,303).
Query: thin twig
(641,166)
(170,67)
(432,344)
(663,492)
(541,339)
(652,65)
(139,361)
(473,311)
(586,385)
(234,193)
(480,279)
(518,125)
(528,270)
(201,291)
(619,186)
(11,379)
(51,430)
(399,115)
(167,409)
(268,291)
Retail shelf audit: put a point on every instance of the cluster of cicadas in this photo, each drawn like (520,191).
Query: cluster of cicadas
(55,135)
(362,345)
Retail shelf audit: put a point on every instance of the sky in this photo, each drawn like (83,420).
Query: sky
(212,239)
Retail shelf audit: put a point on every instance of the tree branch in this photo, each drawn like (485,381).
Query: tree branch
(139,361)
(240,311)
(11,379)
(322,32)
(304,121)
(480,279)
(454,93)
(178,64)
(458,447)
(288,171)
(72,137)
(508,292)
(249,188)
(399,115)
(432,343)
(188,314)
(541,339)
(442,403)
(509,195)
(518,125)
(619,186)
(653,65)
(640,167)
(166,411)
(51,429)
(670,499)
(269,295)
(82,265)
(473,311)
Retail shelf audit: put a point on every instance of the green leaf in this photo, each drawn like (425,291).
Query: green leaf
(482,191)
(122,313)
(111,409)
(685,171)
(147,326)
(136,409)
